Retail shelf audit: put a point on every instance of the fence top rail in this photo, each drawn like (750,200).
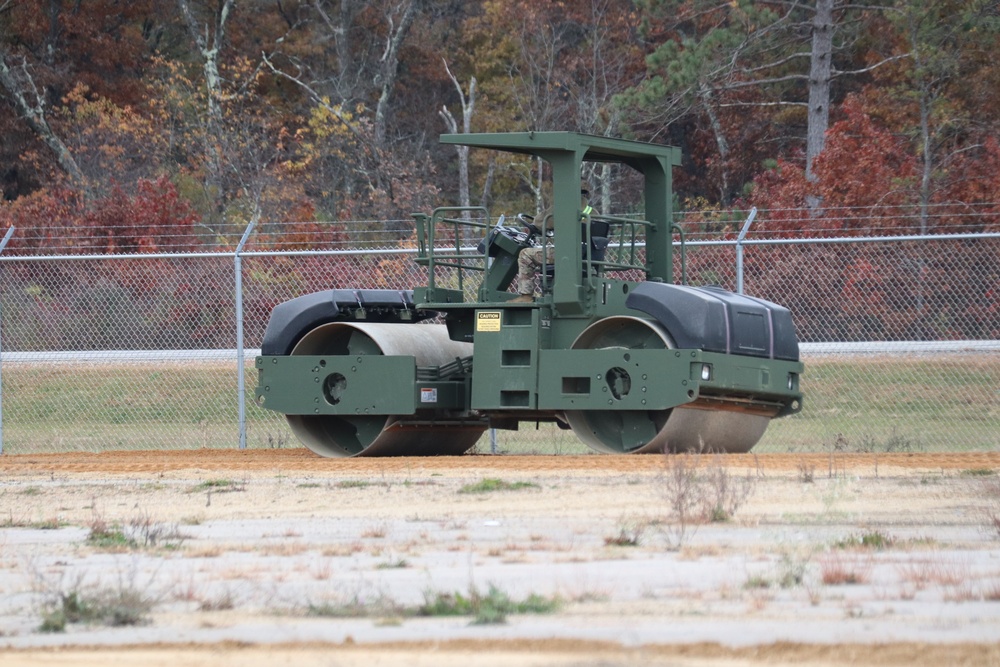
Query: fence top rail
(891,348)
(899,347)
(127,356)
(411,251)
(854,239)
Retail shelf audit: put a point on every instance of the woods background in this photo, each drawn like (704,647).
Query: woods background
(139,127)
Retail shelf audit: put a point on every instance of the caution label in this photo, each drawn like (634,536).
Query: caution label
(488,320)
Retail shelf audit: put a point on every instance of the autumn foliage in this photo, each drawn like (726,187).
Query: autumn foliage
(154,219)
(145,127)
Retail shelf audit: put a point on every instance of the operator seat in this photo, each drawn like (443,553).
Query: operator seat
(600,237)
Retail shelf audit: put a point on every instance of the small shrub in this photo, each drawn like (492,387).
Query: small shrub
(684,496)
(990,508)
(725,493)
(694,498)
(143,531)
(791,571)
(757,582)
(490,608)
(629,534)
(115,607)
(105,535)
(868,444)
(222,602)
(874,540)
(838,571)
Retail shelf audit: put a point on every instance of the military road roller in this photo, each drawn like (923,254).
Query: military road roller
(614,347)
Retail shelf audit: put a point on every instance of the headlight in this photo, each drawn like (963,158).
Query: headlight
(793,381)
(706,372)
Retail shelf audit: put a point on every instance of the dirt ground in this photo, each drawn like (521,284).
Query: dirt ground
(280,557)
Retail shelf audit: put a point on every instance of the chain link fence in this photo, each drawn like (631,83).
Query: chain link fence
(900,337)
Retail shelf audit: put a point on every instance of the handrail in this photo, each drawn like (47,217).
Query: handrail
(628,237)
(427,250)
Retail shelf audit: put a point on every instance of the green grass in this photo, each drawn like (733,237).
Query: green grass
(877,403)
(873,540)
(892,404)
(491,484)
(490,607)
(111,538)
(978,472)
(124,606)
(353,484)
(52,523)
(217,485)
(487,608)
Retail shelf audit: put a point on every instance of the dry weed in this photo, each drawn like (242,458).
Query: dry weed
(923,572)
(376,532)
(697,494)
(837,569)
(223,601)
(282,548)
(990,510)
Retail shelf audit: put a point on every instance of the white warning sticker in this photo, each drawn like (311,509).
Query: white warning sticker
(429,395)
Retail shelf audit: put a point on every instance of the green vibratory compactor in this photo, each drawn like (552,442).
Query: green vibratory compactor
(612,348)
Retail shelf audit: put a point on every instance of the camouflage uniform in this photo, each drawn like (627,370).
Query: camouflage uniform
(529,260)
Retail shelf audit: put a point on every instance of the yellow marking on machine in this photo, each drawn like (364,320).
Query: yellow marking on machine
(488,320)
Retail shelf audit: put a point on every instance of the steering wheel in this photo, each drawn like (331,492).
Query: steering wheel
(529,222)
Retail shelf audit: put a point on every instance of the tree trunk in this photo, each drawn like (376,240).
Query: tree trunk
(927,148)
(209,46)
(34,116)
(820,68)
(705,93)
(468,107)
(389,69)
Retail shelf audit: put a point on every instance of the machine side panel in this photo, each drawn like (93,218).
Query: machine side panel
(505,360)
(338,385)
(615,379)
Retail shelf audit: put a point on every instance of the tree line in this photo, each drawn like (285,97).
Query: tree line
(142,126)
(283,111)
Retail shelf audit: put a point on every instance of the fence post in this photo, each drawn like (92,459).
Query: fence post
(241,382)
(3,244)
(739,249)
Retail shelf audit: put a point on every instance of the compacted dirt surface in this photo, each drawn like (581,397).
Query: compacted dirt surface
(278,556)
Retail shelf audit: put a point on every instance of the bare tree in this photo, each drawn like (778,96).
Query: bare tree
(399,22)
(209,38)
(20,86)
(468,103)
